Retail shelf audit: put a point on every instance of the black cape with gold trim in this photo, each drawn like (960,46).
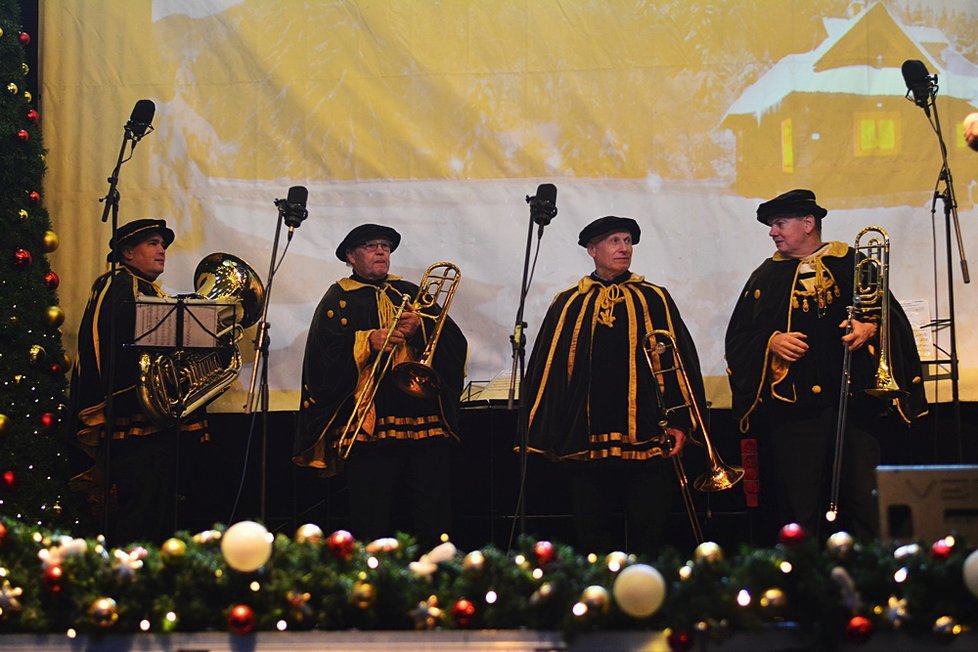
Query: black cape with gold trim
(588,391)
(338,359)
(768,305)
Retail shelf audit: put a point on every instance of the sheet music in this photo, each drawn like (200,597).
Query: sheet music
(156,322)
(918,313)
(495,390)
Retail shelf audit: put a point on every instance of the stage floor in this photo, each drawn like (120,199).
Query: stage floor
(474,641)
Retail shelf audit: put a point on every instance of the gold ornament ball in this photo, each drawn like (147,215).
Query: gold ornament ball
(639,590)
(51,241)
(596,598)
(362,594)
(56,316)
(773,601)
(945,629)
(36,355)
(66,362)
(309,533)
(4,424)
(104,612)
(23,215)
(173,549)
(207,536)
(474,562)
(24,68)
(12,88)
(246,546)
(28,96)
(840,545)
(709,552)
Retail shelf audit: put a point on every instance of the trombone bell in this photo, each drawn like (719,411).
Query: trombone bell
(416,379)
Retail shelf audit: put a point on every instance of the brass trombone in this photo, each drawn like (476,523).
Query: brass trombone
(418,379)
(870,294)
(720,476)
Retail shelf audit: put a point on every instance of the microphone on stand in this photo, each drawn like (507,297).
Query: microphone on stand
(293,207)
(141,119)
(543,206)
(919,82)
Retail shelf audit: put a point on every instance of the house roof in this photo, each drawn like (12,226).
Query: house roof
(840,64)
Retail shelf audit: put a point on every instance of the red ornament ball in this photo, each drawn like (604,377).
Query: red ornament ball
(341,544)
(792,534)
(679,640)
(544,551)
(55,368)
(22,258)
(859,629)
(33,116)
(25,39)
(34,197)
(23,135)
(3,532)
(9,479)
(463,612)
(241,619)
(942,548)
(52,578)
(49,419)
(52,281)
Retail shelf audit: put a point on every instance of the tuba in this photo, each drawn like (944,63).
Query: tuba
(173,384)
(720,476)
(417,379)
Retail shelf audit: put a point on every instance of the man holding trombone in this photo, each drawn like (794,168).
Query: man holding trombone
(377,401)
(594,402)
(805,345)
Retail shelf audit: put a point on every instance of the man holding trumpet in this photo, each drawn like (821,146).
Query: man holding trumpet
(786,349)
(354,417)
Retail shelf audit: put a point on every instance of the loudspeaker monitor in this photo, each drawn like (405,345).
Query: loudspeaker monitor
(928,502)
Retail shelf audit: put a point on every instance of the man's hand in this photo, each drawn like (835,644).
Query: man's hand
(378,335)
(971,130)
(679,438)
(791,346)
(862,332)
(407,324)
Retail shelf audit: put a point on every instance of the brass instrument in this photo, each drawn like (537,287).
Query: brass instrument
(173,384)
(720,476)
(417,379)
(870,294)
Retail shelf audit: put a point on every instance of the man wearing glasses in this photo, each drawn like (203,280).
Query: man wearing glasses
(403,443)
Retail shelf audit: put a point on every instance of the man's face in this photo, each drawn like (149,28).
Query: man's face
(792,235)
(371,260)
(147,257)
(612,254)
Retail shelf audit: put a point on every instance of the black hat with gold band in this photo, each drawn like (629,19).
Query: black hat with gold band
(136,231)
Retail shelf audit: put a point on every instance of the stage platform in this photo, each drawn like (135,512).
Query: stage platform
(777,640)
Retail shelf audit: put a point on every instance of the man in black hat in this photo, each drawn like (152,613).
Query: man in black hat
(591,400)
(403,446)
(786,345)
(142,454)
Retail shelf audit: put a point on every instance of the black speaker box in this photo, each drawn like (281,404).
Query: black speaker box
(928,502)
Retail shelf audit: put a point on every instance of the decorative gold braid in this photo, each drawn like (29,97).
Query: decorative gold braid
(608,297)
(385,307)
(821,288)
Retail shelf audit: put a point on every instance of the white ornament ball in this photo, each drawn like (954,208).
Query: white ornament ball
(639,590)
(246,546)
(970,572)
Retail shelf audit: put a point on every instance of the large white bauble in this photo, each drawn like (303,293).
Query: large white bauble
(639,590)
(246,546)
(969,572)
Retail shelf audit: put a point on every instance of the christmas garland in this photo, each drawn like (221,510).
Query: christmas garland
(243,579)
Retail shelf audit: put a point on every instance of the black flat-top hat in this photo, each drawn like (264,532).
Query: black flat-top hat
(609,224)
(794,203)
(136,231)
(366,232)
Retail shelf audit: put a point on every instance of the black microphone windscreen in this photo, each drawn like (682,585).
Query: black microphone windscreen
(547,192)
(141,117)
(298,195)
(914,73)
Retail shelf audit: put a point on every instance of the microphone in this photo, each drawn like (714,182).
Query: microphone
(293,207)
(543,207)
(141,118)
(919,82)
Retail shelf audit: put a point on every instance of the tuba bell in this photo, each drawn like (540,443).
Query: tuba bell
(173,384)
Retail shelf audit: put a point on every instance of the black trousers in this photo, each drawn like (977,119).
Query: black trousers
(143,474)
(377,474)
(803,447)
(604,490)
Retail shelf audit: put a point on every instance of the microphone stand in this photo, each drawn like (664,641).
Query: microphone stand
(518,341)
(947,196)
(261,359)
(111,201)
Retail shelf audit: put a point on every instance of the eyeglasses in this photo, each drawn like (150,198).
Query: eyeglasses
(376,244)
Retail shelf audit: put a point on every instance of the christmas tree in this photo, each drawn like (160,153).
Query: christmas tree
(33,364)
